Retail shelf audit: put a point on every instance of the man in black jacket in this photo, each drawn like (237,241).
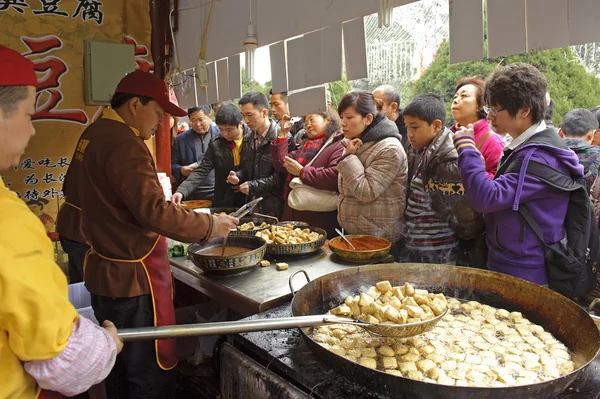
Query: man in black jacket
(223,155)
(256,176)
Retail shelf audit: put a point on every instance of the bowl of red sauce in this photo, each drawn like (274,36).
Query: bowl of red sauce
(368,248)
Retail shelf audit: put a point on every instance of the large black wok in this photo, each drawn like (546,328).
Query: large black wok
(562,317)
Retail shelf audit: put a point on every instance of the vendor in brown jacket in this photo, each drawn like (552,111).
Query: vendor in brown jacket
(113,181)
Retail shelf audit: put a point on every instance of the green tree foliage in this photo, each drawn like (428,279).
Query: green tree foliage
(253,85)
(568,82)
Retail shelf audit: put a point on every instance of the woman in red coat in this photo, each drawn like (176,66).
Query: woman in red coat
(324,144)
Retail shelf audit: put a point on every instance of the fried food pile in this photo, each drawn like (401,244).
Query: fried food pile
(251,226)
(473,345)
(397,305)
(288,235)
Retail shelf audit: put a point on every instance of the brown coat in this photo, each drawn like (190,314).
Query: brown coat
(69,222)
(124,208)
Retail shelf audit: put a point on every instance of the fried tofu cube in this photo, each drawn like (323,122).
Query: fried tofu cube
(395,302)
(406,367)
(397,291)
(437,306)
(409,290)
(384,286)
(394,372)
(368,362)
(414,311)
(365,299)
(281,266)
(374,293)
(391,313)
(342,310)
(409,301)
(390,363)
(386,351)
(265,263)
(368,352)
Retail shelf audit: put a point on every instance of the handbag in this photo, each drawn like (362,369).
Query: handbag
(303,197)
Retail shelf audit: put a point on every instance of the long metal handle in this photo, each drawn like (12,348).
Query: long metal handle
(231,327)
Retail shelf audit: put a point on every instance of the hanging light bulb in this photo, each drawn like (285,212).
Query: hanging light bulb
(250,45)
(386,9)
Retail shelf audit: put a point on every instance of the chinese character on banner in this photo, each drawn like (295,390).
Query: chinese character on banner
(51,192)
(49,178)
(61,178)
(46,162)
(16,5)
(63,162)
(140,51)
(89,10)
(31,180)
(32,194)
(27,164)
(50,7)
(53,69)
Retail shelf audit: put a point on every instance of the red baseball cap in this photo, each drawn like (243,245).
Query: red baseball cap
(15,70)
(149,85)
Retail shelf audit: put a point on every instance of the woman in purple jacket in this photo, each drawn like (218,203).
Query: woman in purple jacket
(324,144)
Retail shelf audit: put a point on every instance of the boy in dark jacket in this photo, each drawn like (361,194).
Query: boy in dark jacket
(515,95)
(222,156)
(577,129)
(437,214)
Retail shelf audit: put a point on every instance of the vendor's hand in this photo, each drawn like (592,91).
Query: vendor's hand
(232,178)
(283,131)
(245,188)
(351,146)
(186,171)
(112,330)
(223,224)
(465,132)
(177,198)
(292,166)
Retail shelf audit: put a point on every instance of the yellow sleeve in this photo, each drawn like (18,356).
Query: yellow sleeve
(35,311)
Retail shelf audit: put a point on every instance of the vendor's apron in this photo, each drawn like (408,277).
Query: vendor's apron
(49,395)
(157,268)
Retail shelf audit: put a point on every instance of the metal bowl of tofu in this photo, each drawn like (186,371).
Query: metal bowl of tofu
(502,337)
(251,225)
(367,248)
(240,255)
(290,240)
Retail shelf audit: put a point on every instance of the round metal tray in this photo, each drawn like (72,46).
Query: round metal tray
(359,256)
(294,223)
(229,264)
(299,249)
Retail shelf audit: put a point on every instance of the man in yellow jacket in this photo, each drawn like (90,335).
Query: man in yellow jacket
(45,347)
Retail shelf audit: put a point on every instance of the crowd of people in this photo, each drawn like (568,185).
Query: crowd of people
(371,167)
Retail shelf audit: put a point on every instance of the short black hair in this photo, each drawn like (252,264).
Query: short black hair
(579,122)
(427,107)
(228,115)
(206,109)
(10,98)
(517,86)
(282,94)
(256,98)
(119,99)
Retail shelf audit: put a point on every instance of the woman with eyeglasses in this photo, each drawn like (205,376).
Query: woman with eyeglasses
(468,108)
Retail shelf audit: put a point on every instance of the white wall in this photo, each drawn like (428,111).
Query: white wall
(274,20)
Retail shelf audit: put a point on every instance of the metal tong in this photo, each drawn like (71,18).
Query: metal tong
(240,213)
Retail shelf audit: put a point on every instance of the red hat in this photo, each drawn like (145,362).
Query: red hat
(15,70)
(149,85)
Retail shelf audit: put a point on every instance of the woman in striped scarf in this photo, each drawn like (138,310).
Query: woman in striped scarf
(324,139)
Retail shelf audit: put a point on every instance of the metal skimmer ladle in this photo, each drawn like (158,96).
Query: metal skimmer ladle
(234,327)
(341,233)
(240,213)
